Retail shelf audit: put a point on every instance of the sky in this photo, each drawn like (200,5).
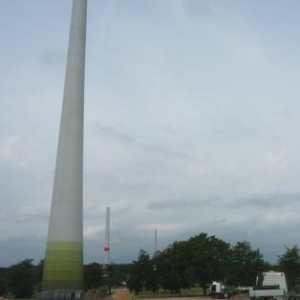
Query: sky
(191,123)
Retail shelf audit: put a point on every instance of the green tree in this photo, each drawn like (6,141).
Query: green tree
(171,268)
(39,274)
(200,260)
(92,276)
(3,282)
(120,274)
(142,274)
(208,259)
(22,279)
(245,264)
(289,263)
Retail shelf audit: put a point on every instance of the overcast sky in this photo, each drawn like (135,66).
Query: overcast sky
(192,118)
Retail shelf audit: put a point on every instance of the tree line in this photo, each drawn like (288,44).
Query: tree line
(23,280)
(203,259)
(183,265)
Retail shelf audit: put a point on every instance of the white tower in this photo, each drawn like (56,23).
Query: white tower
(155,243)
(63,267)
(106,248)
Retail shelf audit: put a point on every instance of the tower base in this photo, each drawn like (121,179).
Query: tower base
(61,295)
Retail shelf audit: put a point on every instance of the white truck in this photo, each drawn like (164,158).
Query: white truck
(217,290)
(271,285)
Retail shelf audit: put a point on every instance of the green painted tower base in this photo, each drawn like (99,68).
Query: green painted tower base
(63,267)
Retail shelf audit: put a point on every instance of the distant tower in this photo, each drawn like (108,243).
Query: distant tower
(63,269)
(106,261)
(155,243)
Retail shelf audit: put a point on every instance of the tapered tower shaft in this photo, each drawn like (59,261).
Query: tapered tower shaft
(106,249)
(155,243)
(63,267)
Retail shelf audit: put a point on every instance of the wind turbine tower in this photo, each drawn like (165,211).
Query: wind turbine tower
(106,249)
(155,243)
(63,268)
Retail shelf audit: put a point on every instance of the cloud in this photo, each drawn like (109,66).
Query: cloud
(176,203)
(144,144)
(279,217)
(53,58)
(277,200)
(164,150)
(198,9)
(114,133)
(19,248)
(12,151)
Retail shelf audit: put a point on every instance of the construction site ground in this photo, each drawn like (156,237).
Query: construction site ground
(124,294)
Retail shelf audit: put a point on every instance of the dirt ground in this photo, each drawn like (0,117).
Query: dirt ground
(179,298)
(236,297)
(124,294)
(242,296)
